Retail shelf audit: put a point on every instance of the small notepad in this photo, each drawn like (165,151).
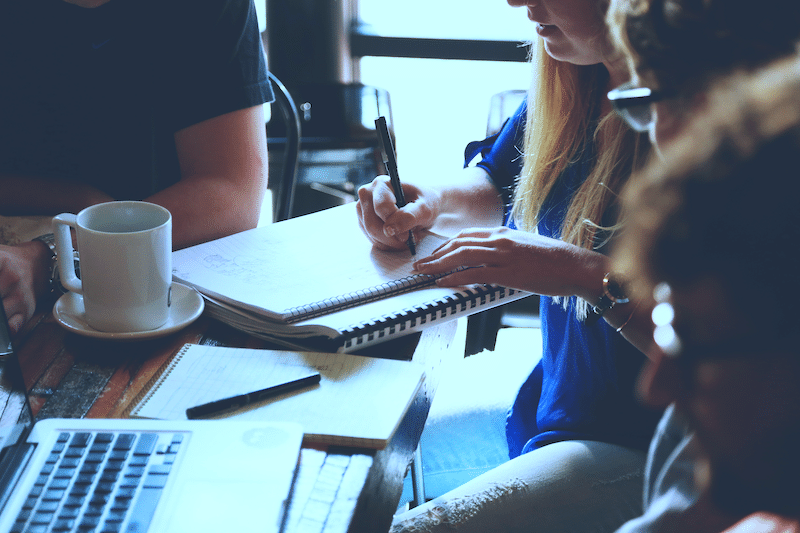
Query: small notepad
(359,401)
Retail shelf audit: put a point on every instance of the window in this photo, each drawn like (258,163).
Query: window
(439,105)
(446,19)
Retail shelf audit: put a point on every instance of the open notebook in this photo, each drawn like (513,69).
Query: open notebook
(138,475)
(360,401)
(316,282)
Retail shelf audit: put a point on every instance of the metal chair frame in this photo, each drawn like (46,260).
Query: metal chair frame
(284,191)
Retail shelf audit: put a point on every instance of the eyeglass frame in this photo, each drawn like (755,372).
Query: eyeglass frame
(672,345)
(628,96)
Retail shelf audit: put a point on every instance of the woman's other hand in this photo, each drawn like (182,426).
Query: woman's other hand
(516,259)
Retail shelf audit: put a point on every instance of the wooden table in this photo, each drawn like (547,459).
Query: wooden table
(70,376)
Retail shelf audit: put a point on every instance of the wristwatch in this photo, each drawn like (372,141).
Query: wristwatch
(55,278)
(50,241)
(613,293)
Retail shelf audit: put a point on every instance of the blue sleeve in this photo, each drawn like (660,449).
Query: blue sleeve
(501,153)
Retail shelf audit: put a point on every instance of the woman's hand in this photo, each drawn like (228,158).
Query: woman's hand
(385,224)
(519,260)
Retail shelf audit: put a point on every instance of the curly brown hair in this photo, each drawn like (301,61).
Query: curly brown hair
(681,46)
(723,201)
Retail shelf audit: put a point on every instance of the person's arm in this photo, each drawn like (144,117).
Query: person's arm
(25,267)
(223,167)
(465,199)
(223,164)
(538,264)
(35,195)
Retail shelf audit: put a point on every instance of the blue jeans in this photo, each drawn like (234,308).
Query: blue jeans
(580,486)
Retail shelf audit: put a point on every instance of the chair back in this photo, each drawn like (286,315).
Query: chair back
(283,189)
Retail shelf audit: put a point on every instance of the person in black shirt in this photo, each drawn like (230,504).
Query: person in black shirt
(156,100)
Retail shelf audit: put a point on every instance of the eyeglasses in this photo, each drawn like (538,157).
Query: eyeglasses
(634,105)
(686,353)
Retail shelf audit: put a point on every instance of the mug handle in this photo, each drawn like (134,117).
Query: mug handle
(66,269)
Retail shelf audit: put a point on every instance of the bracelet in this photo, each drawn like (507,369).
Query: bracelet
(619,329)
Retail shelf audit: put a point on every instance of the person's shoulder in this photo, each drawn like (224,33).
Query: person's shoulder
(765,523)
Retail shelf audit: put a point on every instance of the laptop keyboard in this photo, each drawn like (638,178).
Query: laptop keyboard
(326,491)
(94,482)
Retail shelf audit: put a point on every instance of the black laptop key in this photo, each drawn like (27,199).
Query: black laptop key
(104,437)
(114,465)
(142,513)
(53,494)
(79,490)
(80,439)
(146,444)
(50,507)
(63,524)
(70,511)
(90,521)
(59,484)
(69,462)
(42,517)
(109,475)
(134,471)
(75,451)
(124,441)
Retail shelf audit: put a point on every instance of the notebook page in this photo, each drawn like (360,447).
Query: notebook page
(304,260)
(359,401)
(201,374)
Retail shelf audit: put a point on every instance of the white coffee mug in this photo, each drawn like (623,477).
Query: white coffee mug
(125,263)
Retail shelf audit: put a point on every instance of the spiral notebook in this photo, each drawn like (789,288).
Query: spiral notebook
(316,282)
(359,401)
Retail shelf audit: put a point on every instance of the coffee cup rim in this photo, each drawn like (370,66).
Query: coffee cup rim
(87,211)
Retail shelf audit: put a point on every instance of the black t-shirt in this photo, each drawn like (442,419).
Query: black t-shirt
(96,95)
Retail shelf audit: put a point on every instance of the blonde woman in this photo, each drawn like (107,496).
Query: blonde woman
(576,435)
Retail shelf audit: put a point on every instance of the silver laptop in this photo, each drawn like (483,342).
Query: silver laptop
(120,475)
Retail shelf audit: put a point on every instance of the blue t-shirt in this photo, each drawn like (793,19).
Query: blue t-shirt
(583,387)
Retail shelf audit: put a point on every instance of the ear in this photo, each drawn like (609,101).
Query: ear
(699,102)
(660,380)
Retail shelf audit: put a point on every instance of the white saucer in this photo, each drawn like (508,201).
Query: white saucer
(187,305)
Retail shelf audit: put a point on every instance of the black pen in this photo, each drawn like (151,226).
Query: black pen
(390,162)
(234,402)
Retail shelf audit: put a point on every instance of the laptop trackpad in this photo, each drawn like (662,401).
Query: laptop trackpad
(222,506)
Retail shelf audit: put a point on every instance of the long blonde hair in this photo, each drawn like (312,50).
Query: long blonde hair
(564,110)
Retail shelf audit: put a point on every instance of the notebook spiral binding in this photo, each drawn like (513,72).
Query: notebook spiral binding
(354,299)
(415,318)
(153,383)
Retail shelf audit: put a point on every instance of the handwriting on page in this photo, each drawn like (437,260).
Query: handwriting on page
(308,262)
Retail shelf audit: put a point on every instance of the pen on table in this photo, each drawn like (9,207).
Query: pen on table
(212,408)
(390,162)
